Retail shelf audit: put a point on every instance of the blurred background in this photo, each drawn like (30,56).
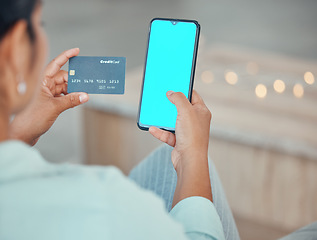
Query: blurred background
(256,70)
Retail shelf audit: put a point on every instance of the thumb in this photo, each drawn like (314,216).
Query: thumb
(179,100)
(71,100)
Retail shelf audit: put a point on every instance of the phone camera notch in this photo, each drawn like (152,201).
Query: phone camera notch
(174,22)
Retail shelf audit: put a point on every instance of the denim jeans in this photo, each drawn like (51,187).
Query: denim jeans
(306,233)
(156,173)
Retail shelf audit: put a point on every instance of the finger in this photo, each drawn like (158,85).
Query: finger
(60,89)
(164,136)
(196,98)
(70,100)
(55,65)
(179,100)
(61,77)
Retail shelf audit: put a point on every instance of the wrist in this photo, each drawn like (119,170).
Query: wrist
(18,135)
(191,161)
(196,167)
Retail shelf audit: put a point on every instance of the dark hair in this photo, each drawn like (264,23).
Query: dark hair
(12,11)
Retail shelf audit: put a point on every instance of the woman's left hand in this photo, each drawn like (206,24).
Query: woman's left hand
(52,100)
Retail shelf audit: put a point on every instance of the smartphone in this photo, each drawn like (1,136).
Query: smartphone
(169,65)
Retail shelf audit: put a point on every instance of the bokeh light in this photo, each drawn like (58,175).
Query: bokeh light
(309,78)
(279,86)
(207,76)
(231,77)
(298,90)
(261,91)
(252,68)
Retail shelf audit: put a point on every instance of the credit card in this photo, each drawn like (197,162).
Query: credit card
(96,75)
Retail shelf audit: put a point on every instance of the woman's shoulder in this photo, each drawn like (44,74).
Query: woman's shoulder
(51,196)
(20,161)
(23,167)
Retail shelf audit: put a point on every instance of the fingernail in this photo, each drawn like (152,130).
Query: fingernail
(83,98)
(74,49)
(169,93)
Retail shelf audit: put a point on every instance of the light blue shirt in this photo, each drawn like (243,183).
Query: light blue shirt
(44,201)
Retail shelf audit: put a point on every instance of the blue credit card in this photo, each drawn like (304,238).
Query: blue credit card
(96,75)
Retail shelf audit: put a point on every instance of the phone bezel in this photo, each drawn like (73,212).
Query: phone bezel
(146,127)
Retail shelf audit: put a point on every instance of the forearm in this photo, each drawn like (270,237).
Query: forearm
(193,180)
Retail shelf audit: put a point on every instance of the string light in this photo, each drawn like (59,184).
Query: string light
(279,86)
(309,78)
(207,76)
(231,78)
(298,90)
(261,91)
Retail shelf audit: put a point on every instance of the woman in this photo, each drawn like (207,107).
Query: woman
(39,200)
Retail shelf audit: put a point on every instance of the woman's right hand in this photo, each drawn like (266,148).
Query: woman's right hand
(190,142)
(191,137)
(49,103)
